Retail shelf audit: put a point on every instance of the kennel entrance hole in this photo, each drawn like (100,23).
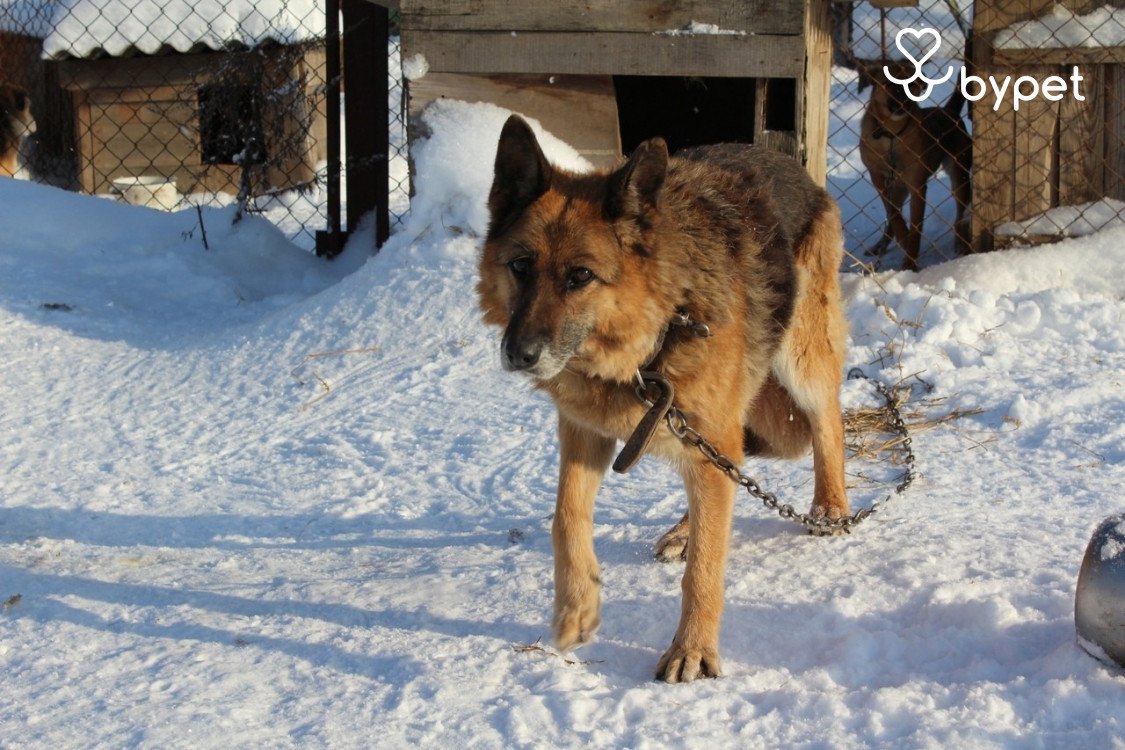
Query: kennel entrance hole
(694,111)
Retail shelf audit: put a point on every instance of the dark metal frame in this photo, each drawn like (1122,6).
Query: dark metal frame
(365,80)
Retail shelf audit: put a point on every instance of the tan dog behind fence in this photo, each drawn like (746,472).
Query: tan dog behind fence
(903,145)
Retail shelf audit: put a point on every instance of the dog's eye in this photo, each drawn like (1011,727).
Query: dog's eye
(579,277)
(520,268)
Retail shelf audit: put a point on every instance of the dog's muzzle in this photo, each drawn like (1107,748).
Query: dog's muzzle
(521,355)
(533,356)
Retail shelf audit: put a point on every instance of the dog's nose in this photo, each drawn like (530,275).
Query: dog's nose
(521,355)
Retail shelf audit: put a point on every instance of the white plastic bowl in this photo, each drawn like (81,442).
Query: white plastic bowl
(148,190)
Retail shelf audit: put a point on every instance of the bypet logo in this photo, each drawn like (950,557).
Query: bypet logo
(974,88)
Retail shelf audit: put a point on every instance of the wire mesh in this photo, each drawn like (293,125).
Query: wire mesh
(872,158)
(174,104)
(398,201)
(226,101)
(1046,115)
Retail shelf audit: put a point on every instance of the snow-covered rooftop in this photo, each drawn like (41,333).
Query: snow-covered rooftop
(84,28)
(1064,29)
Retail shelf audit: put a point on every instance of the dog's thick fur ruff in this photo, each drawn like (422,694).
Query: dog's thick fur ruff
(16,124)
(585,273)
(903,145)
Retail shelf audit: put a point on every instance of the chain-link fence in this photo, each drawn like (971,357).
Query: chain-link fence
(398,200)
(1046,119)
(878,154)
(170,103)
(1050,153)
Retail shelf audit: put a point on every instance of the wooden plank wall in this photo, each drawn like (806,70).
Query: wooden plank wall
(139,116)
(602,16)
(582,53)
(1113,173)
(499,42)
(551,99)
(1082,138)
(1047,154)
(605,37)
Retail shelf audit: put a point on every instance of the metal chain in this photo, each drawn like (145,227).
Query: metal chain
(679,426)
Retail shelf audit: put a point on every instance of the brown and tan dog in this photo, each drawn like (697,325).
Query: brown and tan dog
(903,145)
(591,276)
(16,124)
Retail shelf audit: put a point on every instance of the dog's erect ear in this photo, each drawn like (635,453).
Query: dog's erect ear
(522,174)
(634,189)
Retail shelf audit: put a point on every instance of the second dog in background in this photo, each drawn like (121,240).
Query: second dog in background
(903,145)
(16,124)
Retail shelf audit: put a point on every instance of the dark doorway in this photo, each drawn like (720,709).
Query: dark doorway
(685,111)
(230,125)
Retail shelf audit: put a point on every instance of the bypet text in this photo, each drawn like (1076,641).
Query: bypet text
(1025,88)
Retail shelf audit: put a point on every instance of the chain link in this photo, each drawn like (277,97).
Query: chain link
(678,424)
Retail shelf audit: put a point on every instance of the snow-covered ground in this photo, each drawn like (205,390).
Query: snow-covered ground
(253,499)
(249,498)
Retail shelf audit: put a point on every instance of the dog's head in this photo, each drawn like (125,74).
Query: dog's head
(889,100)
(15,110)
(568,265)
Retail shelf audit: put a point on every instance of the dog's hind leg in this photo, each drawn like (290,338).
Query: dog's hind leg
(830,498)
(809,366)
(775,428)
(785,420)
(893,196)
(958,170)
(672,547)
(913,246)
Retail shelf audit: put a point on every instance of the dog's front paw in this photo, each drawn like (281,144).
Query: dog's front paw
(577,617)
(684,663)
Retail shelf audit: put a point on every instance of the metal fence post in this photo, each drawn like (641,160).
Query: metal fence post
(367,122)
(330,241)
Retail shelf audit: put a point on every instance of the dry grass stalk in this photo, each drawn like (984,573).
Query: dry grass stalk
(870,433)
(326,388)
(527,648)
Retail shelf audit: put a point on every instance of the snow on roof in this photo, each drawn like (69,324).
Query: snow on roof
(1063,29)
(116,27)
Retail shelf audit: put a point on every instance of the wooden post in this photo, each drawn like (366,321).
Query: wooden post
(816,89)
